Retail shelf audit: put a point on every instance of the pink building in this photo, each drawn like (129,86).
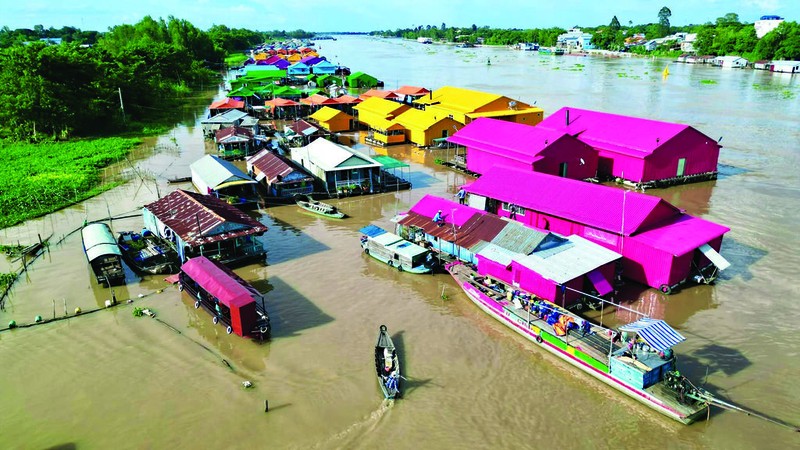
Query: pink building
(645,152)
(493,142)
(661,246)
(537,261)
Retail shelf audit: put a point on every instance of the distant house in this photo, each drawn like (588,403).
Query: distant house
(362,80)
(282,178)
(492,142)
(226,104)
(301,132)
(687,45)
(340,169)
(466,105)
(333,120)
(423,127)
(730,61)
(323,67)
(230,118)
(762,64)
(765,24)
(575,38)
(205,225)
(234,142)
(642,151)
(380,93)
(378,115)
(407,94)
(298,69)
(661,246)
(214,176)
(785,66)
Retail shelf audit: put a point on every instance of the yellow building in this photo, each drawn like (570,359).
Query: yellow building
(374,110)
(422,127)
(386,132)
(465,105)
(333,120)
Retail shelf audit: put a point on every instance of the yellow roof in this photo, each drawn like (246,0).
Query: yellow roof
(458,99)
(385,125)
(379,106)
(506,112)
(326,113)
(418,119)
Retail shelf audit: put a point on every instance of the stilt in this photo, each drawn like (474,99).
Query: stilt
(266,405)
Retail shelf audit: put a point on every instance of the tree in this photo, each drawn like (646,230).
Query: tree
(730,19)
(705,40)
(663,20)
(614,26)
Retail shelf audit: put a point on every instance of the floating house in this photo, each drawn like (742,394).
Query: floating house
(362,80)
(736,62)
(407,94)
(380,93)
(317,101)
(283,108)
(234,142)
(333,120)
(423,127)
(340,169)
(493,142)
(298,69)
(231,118)
(661,246)
(301,132)
(203,225)
(466,105)
(538,261)
(378,115)
(323,67)
(282,178)
(641,151)
(224,105)
(212,175)
(785,66)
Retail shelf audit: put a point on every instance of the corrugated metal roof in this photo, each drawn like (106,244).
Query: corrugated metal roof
(412,90)
(317,99)
(388,162)
(99,241)
(682,235)
(506,112)
(227,103)
(214,171)
(233,131)
(595,205)
(203,219)
(500,137)
(380,107)
(519,238)
(272,166)
(348,99)
(302,127)
(458,99)
(329,156)
(327,113)
(372,230)
(418,119)
(389,95)
(226,117)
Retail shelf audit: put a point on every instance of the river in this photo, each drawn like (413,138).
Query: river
(108,379)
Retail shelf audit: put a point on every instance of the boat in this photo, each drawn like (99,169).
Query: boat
(387,364)
(558,52)
(103,254)
(147,253)
(227,297)
(637,360)
(317,207)
(395,251)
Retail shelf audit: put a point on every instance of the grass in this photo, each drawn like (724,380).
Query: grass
(235,59)
(36,179)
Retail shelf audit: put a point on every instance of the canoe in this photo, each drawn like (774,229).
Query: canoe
(317,207)
(387,364)
(147,253)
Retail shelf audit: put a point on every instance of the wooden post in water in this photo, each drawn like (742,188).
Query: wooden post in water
(54,308)
(266,405)
(65,307)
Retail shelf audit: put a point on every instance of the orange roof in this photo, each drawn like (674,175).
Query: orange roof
(412,90)
(347,99)
(227,103)
(317,99)
(389,95)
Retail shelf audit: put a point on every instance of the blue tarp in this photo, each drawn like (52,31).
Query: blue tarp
(655,332)
(372,231)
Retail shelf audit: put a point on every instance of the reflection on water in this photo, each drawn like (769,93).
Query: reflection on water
(326,298)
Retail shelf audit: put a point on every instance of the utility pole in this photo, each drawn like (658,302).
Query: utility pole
(121,106)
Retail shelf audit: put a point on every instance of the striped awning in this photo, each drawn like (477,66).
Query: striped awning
(655,332)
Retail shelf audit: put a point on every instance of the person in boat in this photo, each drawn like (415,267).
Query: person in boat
(388,361)
(438,219)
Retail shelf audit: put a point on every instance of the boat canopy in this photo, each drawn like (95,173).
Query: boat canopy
(372,231)
(98,241)
(655,332)
(220,282)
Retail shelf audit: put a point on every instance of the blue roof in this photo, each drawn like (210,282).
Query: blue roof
(372,231)
(655,332)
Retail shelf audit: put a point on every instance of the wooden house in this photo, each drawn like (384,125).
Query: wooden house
(466,105)
(333,120)
(203,225)
(301,132)
(341,170)
(234,142)
(493,142)
(422,127)
(642,151)
(282,108)
(661,246)
(281,178)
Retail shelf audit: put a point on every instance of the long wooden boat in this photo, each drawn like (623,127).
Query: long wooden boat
(103,254)
(147,253)
(387,364)
(395,251)
(644,368)
(318,207)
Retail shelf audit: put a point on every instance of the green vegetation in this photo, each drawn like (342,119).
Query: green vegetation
(235,59)
(6,280)
(36,179)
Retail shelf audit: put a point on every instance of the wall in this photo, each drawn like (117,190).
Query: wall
(700,151)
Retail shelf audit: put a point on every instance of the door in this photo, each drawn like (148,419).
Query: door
(681,167)
(562,170)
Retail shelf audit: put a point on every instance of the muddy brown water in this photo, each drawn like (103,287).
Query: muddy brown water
(108,379)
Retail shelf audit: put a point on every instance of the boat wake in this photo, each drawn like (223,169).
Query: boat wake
(347,437)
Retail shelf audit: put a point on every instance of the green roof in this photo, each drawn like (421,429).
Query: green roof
(389,162)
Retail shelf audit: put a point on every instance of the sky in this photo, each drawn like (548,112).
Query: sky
(370,15)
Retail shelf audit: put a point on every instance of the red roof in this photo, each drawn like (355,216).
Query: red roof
(186,213)
(413,91)
(348,99)
(603,207)
(271,165)
(219,281)
(280,103)
(317,99)
(232,131)
(300,126)
(227,103)
(388,95)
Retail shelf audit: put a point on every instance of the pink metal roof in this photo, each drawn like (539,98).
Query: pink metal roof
(682,235)
(623,134)
(595,205)
(227,103)
(220,282)
(510,139)
(188,212)
(452,212)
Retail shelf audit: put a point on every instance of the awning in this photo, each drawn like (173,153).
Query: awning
(655,332)
(599,281)
(233,183)
(714,257)
(372,231)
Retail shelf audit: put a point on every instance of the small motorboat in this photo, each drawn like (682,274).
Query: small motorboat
(147,253)
(317,207)
(387,364)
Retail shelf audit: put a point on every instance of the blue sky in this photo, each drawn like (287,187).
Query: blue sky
(367,15)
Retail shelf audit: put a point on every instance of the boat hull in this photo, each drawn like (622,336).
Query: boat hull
(387,364)
(484,303)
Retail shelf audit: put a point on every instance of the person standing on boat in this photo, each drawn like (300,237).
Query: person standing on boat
(462,196)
